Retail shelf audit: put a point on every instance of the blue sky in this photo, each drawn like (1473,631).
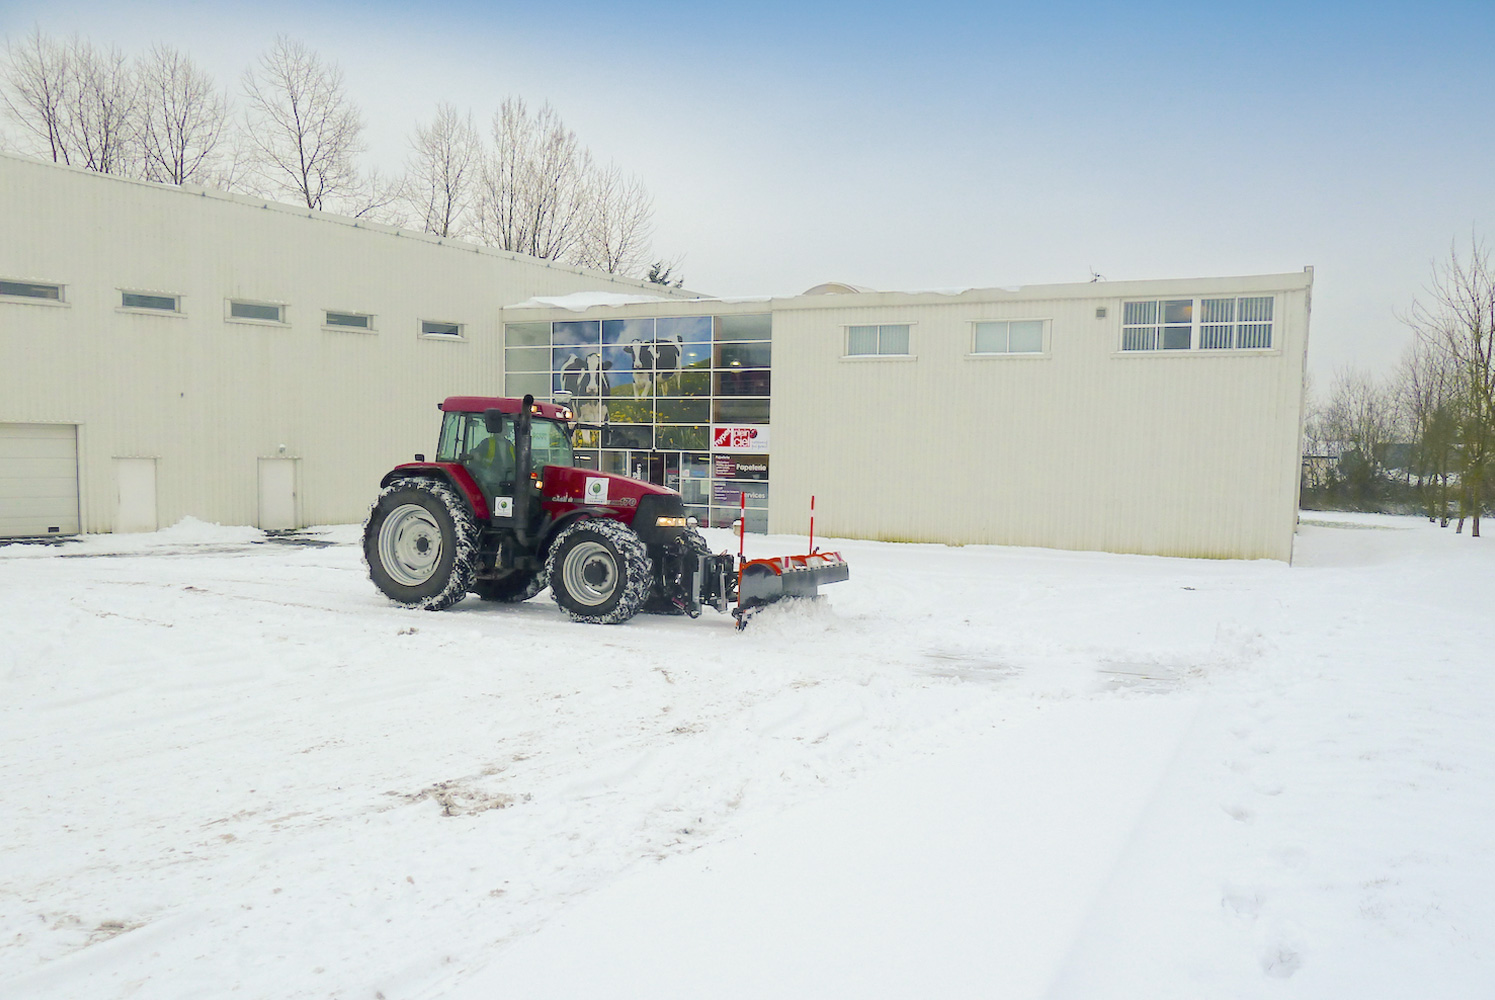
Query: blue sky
(958,144)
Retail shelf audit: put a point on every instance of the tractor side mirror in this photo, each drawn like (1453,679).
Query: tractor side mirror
(493,420)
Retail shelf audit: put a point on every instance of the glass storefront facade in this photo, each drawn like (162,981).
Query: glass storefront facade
(682,401)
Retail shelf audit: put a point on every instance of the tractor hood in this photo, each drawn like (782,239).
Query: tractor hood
(590,488)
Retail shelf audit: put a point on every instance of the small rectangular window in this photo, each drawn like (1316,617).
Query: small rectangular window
(892,339)
(1178,324)
(527,359)
(353,321)
(261,311)
(739,410)
(748,382)
(1012,337)
(754,327)
(1254,323)
(527,335)
(31,290)
(430,328)
(683,411)
(142,300)
(1217,324)
(519,384)
(861,340)
(740,355)
(887,338)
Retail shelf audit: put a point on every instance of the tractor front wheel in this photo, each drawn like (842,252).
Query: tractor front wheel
(421,544)
(599,571)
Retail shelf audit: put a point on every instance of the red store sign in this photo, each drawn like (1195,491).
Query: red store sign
(739,438)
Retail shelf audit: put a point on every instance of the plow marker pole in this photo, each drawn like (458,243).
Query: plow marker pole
(741,539)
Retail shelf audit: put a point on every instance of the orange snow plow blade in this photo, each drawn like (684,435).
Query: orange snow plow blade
(763,581)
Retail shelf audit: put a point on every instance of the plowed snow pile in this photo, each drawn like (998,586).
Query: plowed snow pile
(230,766)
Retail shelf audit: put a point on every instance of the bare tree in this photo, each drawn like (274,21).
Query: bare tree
(1459,314)
(165,119)
(303,131)
(441,176)
(534,196)
(542,194)
(37,93)
(620,223)
(1428,394)
(105,98)
(75,103)
(374,197)
(183,119)
(1318,454)
(1359,422)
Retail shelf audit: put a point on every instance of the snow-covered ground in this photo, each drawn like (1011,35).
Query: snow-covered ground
(229,766)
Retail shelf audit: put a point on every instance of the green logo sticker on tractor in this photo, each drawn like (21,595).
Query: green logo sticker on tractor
(596,489)
(503,506)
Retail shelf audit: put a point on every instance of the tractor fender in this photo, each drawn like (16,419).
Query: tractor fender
(569,518)
(454,475)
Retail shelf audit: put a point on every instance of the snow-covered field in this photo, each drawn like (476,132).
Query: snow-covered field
(229,766)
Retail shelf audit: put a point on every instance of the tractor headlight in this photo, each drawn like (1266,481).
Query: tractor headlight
(669,521)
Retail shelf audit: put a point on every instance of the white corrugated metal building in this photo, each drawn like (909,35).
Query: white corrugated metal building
(171,352)
(1158,417)
(259,364)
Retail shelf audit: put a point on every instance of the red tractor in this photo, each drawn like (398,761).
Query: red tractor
(502,512)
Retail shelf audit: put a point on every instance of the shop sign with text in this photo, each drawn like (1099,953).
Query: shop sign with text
(739,438)
(740,467)
(731,494)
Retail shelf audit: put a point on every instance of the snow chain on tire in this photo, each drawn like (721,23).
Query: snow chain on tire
(405,521)
(602,543)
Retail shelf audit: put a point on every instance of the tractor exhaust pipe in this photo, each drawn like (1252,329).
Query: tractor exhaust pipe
(523,500)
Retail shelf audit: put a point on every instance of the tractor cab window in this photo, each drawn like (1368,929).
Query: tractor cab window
(550,444)
(489,457)
(449,447)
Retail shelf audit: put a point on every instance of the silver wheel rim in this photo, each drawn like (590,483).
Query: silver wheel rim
(590,573)
(410,545)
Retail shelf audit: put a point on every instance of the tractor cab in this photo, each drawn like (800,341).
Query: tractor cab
(484,443)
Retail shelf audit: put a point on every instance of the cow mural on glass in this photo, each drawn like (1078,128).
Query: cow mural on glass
(655,362)
(643,383)
(582,373)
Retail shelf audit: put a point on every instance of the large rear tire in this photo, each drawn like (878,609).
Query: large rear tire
(421,544)
(599,571)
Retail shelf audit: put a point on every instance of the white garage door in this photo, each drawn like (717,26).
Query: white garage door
(38,479)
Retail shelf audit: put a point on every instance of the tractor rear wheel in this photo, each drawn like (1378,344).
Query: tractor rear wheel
(599,571)
(421,544)
(511,588)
